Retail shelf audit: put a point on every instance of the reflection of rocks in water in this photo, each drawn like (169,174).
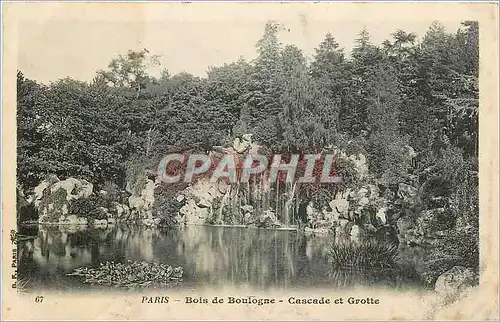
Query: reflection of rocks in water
(61,248)
(209,255)
(147,244)
(317,247)
(260,256)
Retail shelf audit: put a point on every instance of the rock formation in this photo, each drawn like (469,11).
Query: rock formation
(455,280)
(52,198)
(141,203)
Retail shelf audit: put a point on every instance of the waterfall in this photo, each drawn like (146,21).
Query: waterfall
(236,204)
(290,193)
(267,199)
(288,204)
(263,195)
(222,204)
(277,202)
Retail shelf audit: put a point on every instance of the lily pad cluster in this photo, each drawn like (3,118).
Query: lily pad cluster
(132,274)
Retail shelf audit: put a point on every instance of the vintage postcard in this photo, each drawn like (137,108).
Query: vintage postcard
(250,161)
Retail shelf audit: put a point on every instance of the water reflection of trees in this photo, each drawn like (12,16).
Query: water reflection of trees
(244,256)
(57,250)
(209,255)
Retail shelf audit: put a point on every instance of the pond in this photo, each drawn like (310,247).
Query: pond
(210,256)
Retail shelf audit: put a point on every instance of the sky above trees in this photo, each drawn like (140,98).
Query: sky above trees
(53,46)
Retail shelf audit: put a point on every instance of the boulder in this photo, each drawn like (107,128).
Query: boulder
(126,209)
(405,227)
(38,191)
(52,197)
(64,209)
(100,223)
(340,206)
(149,222)
(374,191)
(354,233)
(318,218)
(268,219)
(118,209)
(433,220)
(249,219)
(204,203)
(331,216)
(136,203)
(244,144)
(317,231)
(82,221)
(455,280)
(70,185)
(407,193)
(193,214)
(84,190)
(382,216)
(360,165)
(343,224)
(72,220)
(411,152)
(247,209)
(363,201)
(148,194)
(199,200)
(363,192)
(102,211)
(141,203)
(310,211)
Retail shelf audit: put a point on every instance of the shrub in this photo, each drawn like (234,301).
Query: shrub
(166,206)
(113,194)
(57,199)
(88,207)
(321,198)
(25,211)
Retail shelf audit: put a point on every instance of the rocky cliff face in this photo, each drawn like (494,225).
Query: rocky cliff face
(200,200)
(52,198)
(73,202)
(141,202)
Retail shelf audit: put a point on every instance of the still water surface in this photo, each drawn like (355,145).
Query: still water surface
(210,256)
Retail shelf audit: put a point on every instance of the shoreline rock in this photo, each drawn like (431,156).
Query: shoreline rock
(455,280)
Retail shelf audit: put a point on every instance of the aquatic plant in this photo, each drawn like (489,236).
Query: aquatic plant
(370,254)
(22,284)
(132,274)
(370,263)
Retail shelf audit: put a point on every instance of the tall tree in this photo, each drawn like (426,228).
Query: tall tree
(365,57)
(264,89)
(330,69)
